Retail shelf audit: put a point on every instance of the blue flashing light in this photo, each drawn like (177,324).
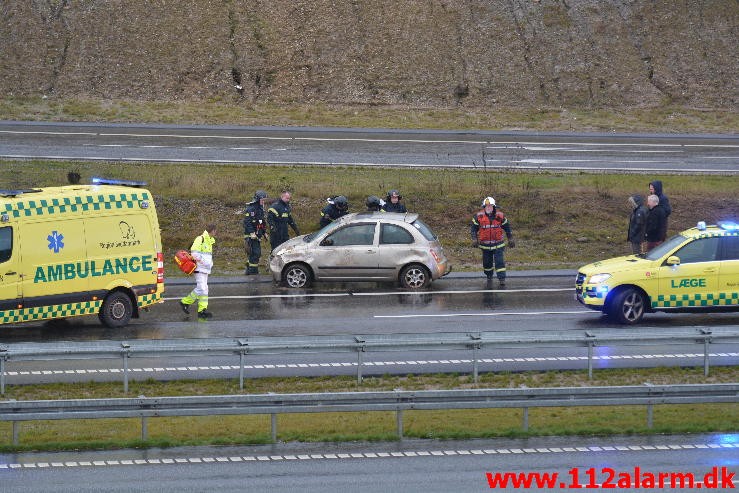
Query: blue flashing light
(728,225)
(109,181)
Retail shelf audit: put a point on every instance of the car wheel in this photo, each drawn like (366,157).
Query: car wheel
(117,310)
(628,306)
(414,277)
(296,276)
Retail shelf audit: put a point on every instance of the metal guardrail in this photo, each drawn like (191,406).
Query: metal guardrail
(397,401)
(359,344)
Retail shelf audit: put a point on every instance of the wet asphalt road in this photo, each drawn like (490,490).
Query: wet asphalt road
(408,466)
(533,303)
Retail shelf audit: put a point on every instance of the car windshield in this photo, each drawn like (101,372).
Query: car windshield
(661,250)
(425,230)
(329,227)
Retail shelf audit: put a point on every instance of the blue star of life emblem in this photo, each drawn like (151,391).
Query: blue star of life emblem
(56,242)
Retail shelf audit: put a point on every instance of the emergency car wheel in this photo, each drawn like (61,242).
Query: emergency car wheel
(414,277)
(117,310)
(296,276)
(628,306)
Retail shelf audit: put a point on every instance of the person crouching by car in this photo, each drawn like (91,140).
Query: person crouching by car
(337,206)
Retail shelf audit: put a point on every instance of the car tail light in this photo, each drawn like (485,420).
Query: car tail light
(436,256)
(160,267)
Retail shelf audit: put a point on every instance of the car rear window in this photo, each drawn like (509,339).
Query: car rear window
(425,230)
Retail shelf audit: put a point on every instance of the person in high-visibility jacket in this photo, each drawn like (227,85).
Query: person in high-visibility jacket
(487,228)
(202,251)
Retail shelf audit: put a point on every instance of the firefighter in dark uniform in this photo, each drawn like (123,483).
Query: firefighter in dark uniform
(392,203)
(255,227)
(336,207)
(279,217)
(487,228)
(374,203)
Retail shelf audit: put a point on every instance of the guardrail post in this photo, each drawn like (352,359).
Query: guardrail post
(125,349)
(360,358)
(706,347)
(3,358)
(475,348)
(144,428)
(650,410)
(16,426)
(591,342)
(243,344)
(273,427)
(399,422)
(525,419)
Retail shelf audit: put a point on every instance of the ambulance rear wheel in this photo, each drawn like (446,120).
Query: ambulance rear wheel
(117,310)
(628,306)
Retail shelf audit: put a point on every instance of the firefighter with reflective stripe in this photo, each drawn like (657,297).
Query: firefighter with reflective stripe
(255,227)
(337,206)
(279,217)
(487,228)
(202,251)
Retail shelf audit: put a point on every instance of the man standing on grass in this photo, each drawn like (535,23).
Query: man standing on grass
(279,217)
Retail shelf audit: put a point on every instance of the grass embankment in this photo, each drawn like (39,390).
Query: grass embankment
(560,220)
(669,118)
(457,424)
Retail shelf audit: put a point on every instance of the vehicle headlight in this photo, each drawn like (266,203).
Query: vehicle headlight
(599,278)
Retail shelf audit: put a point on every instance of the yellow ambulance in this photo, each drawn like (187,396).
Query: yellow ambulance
(694,271)
(79,250)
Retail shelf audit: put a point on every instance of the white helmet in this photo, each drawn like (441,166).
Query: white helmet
(488,201)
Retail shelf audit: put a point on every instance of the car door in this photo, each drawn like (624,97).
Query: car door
(694,281)
(348,253)
(728,277)
(396,249)
(10,286)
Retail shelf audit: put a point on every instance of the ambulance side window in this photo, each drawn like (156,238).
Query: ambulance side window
(6,243)
(731,248)
(700,250)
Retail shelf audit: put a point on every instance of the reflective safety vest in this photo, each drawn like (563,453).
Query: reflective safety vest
(490,229)
(202,250)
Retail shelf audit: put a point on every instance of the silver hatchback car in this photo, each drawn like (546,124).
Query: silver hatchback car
(364,246)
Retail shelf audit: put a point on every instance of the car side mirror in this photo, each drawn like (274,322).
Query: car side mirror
(327,242)
(673,260)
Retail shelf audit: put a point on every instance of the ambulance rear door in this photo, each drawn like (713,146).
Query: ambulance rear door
(10,287)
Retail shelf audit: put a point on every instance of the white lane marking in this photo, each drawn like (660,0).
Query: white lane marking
(351,364)
(383,293)
(568,149)
(483,314)
(374,455)
(473,165)
(357,139)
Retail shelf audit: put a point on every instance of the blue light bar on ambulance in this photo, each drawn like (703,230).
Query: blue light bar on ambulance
(728,225)
(109,181)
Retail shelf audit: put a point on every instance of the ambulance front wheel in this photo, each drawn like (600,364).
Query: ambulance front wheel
(117,310)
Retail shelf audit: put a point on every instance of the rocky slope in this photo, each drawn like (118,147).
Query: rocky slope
(421,53)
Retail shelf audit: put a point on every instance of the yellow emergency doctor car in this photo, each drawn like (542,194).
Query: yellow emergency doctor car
(79,250)
(697,270)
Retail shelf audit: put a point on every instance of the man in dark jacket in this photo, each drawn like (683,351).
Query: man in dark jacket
(655,188)
(656,229)
(637,223)
(254,229)
(279,217)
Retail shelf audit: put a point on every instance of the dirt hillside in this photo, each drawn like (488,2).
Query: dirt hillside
(428,53)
